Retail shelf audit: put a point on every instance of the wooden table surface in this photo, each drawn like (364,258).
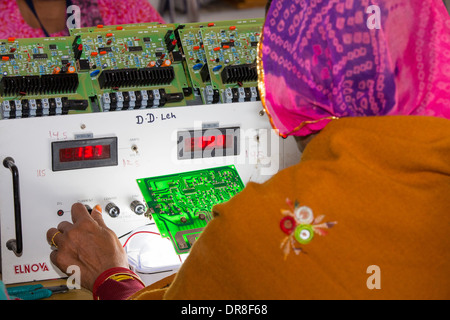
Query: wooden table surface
(75,294)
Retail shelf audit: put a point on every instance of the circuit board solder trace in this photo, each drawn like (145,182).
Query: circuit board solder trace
(181,204)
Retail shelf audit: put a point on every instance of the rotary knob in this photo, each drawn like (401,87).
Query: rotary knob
(112,209)
(88,208)
(138,207)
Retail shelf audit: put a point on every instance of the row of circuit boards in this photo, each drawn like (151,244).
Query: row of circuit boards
(112,68)
(181,204)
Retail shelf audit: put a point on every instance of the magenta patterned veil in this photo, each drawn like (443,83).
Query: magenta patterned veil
(321,60)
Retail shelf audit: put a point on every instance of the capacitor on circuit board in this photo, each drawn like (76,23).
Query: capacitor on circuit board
(197,66)
(166,63)
(94,73)
(217,68)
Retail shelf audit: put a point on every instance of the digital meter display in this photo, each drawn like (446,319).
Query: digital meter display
(207,143)
(84,153)
(203,142)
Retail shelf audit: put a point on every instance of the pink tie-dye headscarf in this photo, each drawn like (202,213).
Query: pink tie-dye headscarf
(321,60)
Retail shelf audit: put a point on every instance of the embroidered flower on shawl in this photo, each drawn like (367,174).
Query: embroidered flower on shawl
(300,226)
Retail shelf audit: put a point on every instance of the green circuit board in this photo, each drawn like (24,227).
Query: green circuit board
(41,73)
(37,56)
(131,66)
(140,60)
(200,63)
(192,42)
(231,54)
(181,204)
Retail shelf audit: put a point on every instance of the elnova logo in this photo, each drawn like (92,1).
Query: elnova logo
(29,268)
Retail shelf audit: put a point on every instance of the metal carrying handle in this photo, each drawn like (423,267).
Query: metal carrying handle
(15,245)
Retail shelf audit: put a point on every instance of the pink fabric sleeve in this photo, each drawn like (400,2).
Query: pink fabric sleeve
(124,12)
(113,12)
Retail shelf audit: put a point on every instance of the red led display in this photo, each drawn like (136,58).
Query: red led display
(85,153)
(201,143)
(208,143)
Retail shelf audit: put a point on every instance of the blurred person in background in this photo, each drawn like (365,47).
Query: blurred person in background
(45,18)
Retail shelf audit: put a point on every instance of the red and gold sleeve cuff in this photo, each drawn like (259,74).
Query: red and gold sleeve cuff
(116,284)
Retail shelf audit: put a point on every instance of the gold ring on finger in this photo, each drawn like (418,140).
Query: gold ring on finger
(53,239)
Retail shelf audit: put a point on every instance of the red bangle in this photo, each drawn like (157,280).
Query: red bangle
(109,273)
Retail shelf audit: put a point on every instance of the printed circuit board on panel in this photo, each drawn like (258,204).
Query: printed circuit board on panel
(231,55)
(181,204)
(39,78)
(206,56)
(133,66)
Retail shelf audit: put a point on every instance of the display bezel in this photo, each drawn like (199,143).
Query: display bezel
(231,149)
(57,165)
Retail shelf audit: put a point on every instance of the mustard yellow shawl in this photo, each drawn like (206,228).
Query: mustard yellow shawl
(378,192)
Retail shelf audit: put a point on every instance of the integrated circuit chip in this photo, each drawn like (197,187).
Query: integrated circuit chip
(40,56)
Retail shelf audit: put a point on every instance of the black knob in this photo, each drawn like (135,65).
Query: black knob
(112,209)
(88,208)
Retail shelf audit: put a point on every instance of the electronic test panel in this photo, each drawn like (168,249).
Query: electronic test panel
(156,123)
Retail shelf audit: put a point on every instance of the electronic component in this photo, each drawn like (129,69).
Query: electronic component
(136,77)
(24,108)
(238,73)
(208,143)
(142,99)
(232,58)
(134,59)
(181,204)
(83,64)
(51,83)
(39,69)
(112,210)
(40,56)
(137,207)
(77,47)
(84,153)
(114,68)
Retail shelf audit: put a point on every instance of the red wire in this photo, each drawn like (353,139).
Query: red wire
(138,233)
(143,232)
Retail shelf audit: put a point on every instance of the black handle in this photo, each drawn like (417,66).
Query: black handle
(15,245)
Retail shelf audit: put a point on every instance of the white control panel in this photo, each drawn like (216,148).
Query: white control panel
(97,158)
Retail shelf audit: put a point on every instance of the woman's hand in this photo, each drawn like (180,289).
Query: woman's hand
(87,243)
